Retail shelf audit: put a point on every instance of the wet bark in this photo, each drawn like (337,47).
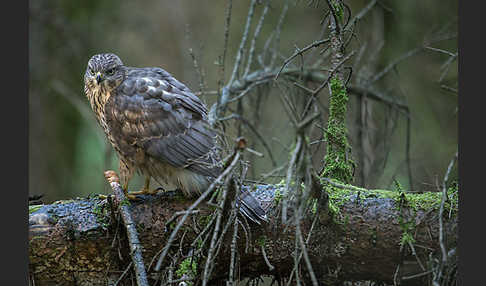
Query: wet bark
(81,242)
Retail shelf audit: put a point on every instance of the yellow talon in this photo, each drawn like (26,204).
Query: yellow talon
(144,191)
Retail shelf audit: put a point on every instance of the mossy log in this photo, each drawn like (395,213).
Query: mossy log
(368,234)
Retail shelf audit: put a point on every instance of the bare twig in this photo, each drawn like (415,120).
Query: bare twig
(407,154)
(448,88)
(233,252)
(255,131)
(300,52)
(243,42)
(212,246)
(362,13)
(198,71)
(135,246)
(270,266)
(203,196)
(332,72)
(123,274)
(290,172)
(177,214)
(278,29)
(255,36)
(444,256)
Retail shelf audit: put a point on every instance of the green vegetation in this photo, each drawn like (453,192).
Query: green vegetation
(261,240)
(338,164)
(338,7)
(125,202)
(428,201)
(102,216)
(34,208)
(189,267)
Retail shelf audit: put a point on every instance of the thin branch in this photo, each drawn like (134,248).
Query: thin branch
(332,72)
(362,13)
(290,172)
(233,252)
(255,36)
(441,51)
(270,266)
(278,29)
(198,71)
(300,52)
(123,274)
(243,42)
(134,242)
(211,249)
(407,154)
(255,131)
(335,18)
(448,88)
(441,213)
(210,189)
(395,62)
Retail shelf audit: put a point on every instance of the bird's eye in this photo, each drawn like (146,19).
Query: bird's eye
(110,71)
(91,72)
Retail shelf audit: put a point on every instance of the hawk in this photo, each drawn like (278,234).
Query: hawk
(157,127)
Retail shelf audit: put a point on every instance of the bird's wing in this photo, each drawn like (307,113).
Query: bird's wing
(153,111)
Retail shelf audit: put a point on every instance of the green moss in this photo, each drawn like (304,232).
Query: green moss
(338,164)
(203,220)
(278,197)
(199,243)
(314,206)
(407,238)
(189,267)
(34,208)
(428,201)
(101,215)
(338,8)
(261,240)
(125,202)
(337,198)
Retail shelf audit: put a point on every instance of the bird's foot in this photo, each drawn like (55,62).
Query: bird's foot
(102,197)
(127,195)
(131,196)
(144,191)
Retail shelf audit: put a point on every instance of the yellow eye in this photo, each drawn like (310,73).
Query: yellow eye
(91,72)
(110,72)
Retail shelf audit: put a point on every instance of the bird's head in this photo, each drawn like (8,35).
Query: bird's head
(104,72)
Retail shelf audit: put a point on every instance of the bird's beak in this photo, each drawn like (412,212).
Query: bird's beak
(99,78)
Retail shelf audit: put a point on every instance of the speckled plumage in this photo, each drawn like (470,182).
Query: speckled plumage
(156,125)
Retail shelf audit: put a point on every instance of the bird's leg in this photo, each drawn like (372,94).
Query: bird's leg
(126,173)
(146,188)
(129,196)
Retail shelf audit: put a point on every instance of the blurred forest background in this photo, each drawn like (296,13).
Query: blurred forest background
(68,151)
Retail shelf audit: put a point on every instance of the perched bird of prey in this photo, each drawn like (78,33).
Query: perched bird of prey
(157,127)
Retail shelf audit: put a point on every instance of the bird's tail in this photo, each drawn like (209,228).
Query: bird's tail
(250,206)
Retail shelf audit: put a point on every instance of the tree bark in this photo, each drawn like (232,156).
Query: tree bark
(81,241)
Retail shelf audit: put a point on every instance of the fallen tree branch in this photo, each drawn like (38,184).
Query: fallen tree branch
(70,242)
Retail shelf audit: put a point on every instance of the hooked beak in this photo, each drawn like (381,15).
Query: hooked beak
(99,78)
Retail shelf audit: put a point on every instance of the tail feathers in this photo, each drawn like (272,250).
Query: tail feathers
(250,207)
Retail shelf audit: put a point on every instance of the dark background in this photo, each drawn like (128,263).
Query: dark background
(68,151)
